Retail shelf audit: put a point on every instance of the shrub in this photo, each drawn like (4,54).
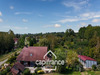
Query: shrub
(36,45)
(94,67)
(88,69)
(9,73)
(15,54)
(98,67)
(40,72)
(8,69)
(38,68)
(4,72)
(34,74)
(0,73)
(61,68)
(2,68)
(77,66)
(26,72)
(12,59)
(53,71)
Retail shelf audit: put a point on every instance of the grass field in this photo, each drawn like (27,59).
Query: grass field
(6,56)
(77,73)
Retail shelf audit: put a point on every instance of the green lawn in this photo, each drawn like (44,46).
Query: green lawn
(6,56)
(77,73)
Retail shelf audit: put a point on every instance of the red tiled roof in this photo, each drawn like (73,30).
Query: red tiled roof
(17,66)
(32,54)
(15,39)
(84,58)
(14,71)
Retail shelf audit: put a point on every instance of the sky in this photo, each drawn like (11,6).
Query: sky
(35,16)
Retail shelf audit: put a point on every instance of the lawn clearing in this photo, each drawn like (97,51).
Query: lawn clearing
(78,73)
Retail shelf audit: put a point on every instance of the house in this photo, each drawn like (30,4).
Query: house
(29,55)
(15,40)
(17,69)
(87,62)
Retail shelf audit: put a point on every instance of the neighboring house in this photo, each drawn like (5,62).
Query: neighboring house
(87,62)
(29,55)
(17,69)
(16,40)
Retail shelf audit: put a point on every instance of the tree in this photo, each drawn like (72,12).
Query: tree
(61,55)
(90,31)
(6,42)
(81,32)
(11,33)
(72,57)
(69,32)
(43,42)
(69,35)
(32,41)
(97,50)
(53,41)
(21,41)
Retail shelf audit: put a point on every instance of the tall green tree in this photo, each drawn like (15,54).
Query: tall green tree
(61,55)
(82,32)
(6,41)
(69,35)
(72,57)
(21,41)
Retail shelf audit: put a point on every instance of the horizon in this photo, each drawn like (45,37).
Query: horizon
(47,16)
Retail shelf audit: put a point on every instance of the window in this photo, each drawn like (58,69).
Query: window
(30,54)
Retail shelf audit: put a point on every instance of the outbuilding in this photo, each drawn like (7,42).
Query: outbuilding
(87,62)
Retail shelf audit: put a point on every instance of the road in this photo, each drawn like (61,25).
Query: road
(2,62)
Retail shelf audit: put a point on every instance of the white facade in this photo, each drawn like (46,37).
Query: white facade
(16,42)
(88,63)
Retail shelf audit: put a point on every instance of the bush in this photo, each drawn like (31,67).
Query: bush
(94,67)
(40,72)
(38,68)
(4,72)
(36,45)
(77,66)
(2,68)
(15,54)
(26,72)
(12,59)
(61,68)
(9,73)
(98,67)
(34,74)
(53,71)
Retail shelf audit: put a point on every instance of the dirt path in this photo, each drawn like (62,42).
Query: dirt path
(2,62)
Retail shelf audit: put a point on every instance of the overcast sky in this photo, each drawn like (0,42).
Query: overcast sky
(34,16)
